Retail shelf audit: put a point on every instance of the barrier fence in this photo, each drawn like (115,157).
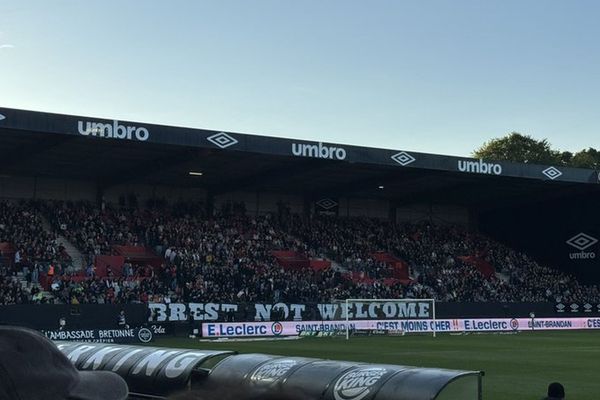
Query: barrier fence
(160,372)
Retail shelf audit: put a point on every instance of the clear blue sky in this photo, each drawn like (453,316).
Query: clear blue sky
(432,76)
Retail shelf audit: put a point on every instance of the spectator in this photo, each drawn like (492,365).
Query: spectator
(556,391)
(122,320)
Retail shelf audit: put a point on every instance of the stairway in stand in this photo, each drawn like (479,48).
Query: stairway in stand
(77,257)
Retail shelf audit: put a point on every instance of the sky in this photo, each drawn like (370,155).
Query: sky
(434,76)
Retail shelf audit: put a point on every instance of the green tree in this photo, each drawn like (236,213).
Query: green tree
(588,158)
(519,148)
(565,158)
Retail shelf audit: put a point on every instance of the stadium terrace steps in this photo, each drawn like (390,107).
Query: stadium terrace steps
(400,266)
(76,256)
(336,266)
(291,259)
(385,257)
(138,254)
(482,266)
(295,260)
(319,264)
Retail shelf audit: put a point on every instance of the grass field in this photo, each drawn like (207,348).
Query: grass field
(517,366)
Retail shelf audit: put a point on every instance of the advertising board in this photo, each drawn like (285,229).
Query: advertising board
(293,328)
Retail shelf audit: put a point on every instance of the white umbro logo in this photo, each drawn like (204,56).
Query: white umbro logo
(2,117)
(403,158)
(582,241)
(552,172)
(326,204)
(222,140)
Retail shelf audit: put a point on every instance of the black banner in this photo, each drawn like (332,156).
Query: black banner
(416,309)
(169,319)
(374,309)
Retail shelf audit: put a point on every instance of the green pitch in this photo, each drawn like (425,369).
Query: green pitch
(517,366)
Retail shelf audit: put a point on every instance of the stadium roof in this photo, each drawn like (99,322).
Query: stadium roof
(112,152)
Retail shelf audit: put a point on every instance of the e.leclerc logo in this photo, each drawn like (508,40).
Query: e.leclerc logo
(114,130)
(514,324)
(277,328)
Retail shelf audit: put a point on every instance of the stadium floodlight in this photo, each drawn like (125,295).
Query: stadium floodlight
(389,315)
(195,173)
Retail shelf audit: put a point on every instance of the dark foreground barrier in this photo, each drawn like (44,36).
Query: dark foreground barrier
(153,371)
(312,378)
(147,370)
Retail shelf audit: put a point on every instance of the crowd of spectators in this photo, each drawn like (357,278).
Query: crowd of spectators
(227,257)
(26,247)
(21,224)
(94,230)
(434,253)
(437,250)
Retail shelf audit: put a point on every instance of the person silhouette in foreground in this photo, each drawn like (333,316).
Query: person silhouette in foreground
(556,391)
(33,368)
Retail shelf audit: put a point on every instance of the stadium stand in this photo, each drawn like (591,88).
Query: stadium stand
(177,253)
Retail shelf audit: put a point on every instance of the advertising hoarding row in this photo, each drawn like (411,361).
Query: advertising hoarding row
(292,328)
